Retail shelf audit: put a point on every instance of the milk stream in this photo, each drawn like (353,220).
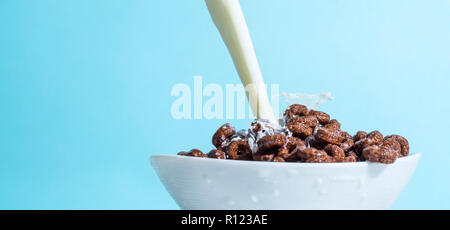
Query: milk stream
(229,20)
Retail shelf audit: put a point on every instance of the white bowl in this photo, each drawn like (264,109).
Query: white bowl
(204,183)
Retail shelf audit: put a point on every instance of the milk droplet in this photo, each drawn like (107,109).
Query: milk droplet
(254,198)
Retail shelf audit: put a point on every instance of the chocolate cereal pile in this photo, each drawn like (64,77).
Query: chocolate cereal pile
(305,136)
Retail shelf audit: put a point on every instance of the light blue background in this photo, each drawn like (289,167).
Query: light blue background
(85,88)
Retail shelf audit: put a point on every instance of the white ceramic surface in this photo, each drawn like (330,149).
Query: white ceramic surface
(203,183)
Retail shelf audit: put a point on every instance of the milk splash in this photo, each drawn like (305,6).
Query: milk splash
(312,101)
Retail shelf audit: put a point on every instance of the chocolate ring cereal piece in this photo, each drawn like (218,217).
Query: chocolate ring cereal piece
(294,111)
(347,145)
(351,157)
(381,154)
(255,127)
(312,142)
(294,142)
(216,153)
(263,157)
(287,155)
(193,153)
(300,130)
(393,145)
(373,138)
(272,157)
(289,151)
(347,142)
(278,159)
(261,128)
(328,135)
(346,135)
(321,159)
(310,121)
(337,153)
(311,152)
(333,124)
(303,126)
(322,117)
(239,150)
(284,151)
(402,141)
(223,134)
(359,135)
(271,142)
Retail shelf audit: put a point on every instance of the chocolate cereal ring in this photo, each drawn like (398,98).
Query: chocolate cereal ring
(337,153)
(381,154)
(404,151)
(351,157)
(321,159)
(289,151)
(373,138)
(303,126)
(193,153)
(278,159)
(222,135)
(271,142)
(328,135)
(263,157)
(216,153)
(309,153)
(322,117)
(294,111)
(347,145)
(239,150)
(359,135)
(333,124)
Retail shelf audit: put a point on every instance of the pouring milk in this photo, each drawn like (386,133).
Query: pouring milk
(229,20)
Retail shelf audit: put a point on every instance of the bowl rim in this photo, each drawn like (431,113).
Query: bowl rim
(412,157)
